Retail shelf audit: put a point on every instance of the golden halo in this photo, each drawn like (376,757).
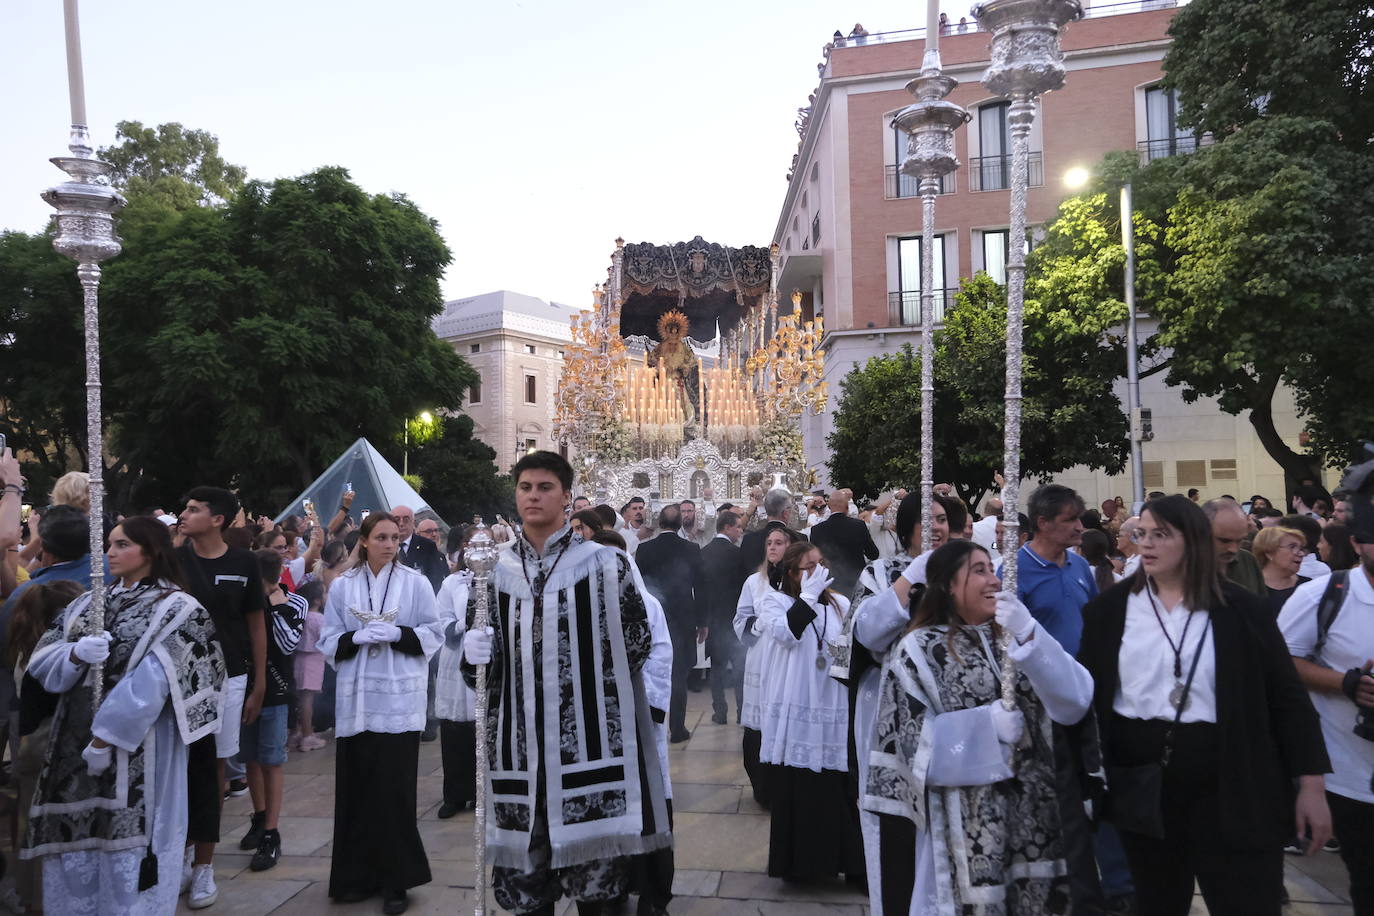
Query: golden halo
(672,318)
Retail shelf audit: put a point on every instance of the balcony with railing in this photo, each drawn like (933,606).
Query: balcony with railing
(904,308)
(1171,146)
(898,185)
(1096,11)
(993,173)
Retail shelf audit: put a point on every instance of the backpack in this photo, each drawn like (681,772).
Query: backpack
(1333,596)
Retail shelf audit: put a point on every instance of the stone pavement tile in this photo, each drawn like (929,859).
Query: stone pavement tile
(300,836)
(757,886)
(1319,878)
(251,898)
(1319,909)
(715,767)
(706,798)
(448,841)
(691,883)
(288,868)
(712,737)
(717,842)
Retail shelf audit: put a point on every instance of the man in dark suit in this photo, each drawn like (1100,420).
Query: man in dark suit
(777,506)
(418,552)
(672,571)
(844,542)
(724,578)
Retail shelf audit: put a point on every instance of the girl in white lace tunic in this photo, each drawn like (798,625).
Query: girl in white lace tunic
(814,830)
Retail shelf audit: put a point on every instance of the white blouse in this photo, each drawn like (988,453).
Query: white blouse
(1145,662)
(380,689)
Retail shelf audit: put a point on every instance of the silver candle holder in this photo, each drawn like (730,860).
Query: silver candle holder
(1026,62)
(931,123)
(480,556)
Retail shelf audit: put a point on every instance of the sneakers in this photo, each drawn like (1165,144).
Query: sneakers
(312,743)
(1332,845)
(237,787)
(269,851)
(1294,847)
(255,830)
(203,889)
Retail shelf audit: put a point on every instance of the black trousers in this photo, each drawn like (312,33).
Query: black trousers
(684,657)
(727,668)
(377,845)
(760,773)
(1234,882)
(1085,887)
(203,797)
(1353,823)
(458,751)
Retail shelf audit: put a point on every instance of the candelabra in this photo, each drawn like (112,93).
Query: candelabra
(590,395)
(1026,62)
(480,556)
(931,123)
(86,205)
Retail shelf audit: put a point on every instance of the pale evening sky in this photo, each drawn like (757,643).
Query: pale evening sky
(535,131)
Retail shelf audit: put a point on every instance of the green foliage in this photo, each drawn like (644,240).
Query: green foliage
(1069,415)
(460,477)
(1237,61)
(171,166)
(245,344)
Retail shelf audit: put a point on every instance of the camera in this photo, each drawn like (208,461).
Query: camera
(1364,718)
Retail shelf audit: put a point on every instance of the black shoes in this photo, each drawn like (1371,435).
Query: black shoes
(720,718)
(679,737)
(448,809)
(237,787)
(255,830)
(429,734)
(394,902)
(269,851)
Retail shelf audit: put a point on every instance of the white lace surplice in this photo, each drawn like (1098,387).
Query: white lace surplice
(805,711)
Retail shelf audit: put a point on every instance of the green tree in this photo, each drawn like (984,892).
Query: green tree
(257,340)
(460,475)
(171,166)
(1069,416)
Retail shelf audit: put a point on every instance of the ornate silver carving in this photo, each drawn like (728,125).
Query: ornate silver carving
(480,557)
(86,205)
(1026,61)
(931,123)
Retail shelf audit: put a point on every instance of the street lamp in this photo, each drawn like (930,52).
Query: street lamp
(1076,178)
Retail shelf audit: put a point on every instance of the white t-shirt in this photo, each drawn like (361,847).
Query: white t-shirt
(1349,642)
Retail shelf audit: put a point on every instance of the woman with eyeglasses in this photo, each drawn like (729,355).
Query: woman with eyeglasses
(1211,746)
(1279,552)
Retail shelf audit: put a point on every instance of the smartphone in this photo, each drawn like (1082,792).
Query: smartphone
(309,506)
(1246,507)
(348,487)
(2,442)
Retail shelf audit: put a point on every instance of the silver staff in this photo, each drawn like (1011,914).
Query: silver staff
(480,556)
(931,122)
(1026,62)
(86,205)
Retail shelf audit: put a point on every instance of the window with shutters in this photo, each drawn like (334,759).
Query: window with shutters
(475,393)
(1154,474)
(1191,473)
(1224,469)
(531,390)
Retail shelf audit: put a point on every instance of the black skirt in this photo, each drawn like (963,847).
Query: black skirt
(458,750)
(377,844)
(814,828)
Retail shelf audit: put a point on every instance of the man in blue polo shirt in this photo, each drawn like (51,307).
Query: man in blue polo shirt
(1055,583)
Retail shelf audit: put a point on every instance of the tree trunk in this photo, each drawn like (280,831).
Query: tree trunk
(1295,466)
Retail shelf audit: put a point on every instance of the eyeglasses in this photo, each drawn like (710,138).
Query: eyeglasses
(1141,536)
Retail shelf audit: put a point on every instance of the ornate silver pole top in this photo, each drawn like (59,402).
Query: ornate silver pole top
(480,554)
(1026,57)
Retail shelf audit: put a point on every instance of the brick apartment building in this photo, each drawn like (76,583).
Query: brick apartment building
(849,228)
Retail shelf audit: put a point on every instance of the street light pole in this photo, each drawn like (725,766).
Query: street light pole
(1132,360)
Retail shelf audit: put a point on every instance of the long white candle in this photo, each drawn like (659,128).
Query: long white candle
(76,81)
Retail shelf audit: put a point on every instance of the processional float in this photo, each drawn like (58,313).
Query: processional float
(684,382)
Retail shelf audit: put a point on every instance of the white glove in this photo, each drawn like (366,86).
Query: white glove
(363,636)
(1014,617)
(1009,724)
(814,582)
(93,649)
(97,758)
(477,646)
(383,631)
(915,572)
